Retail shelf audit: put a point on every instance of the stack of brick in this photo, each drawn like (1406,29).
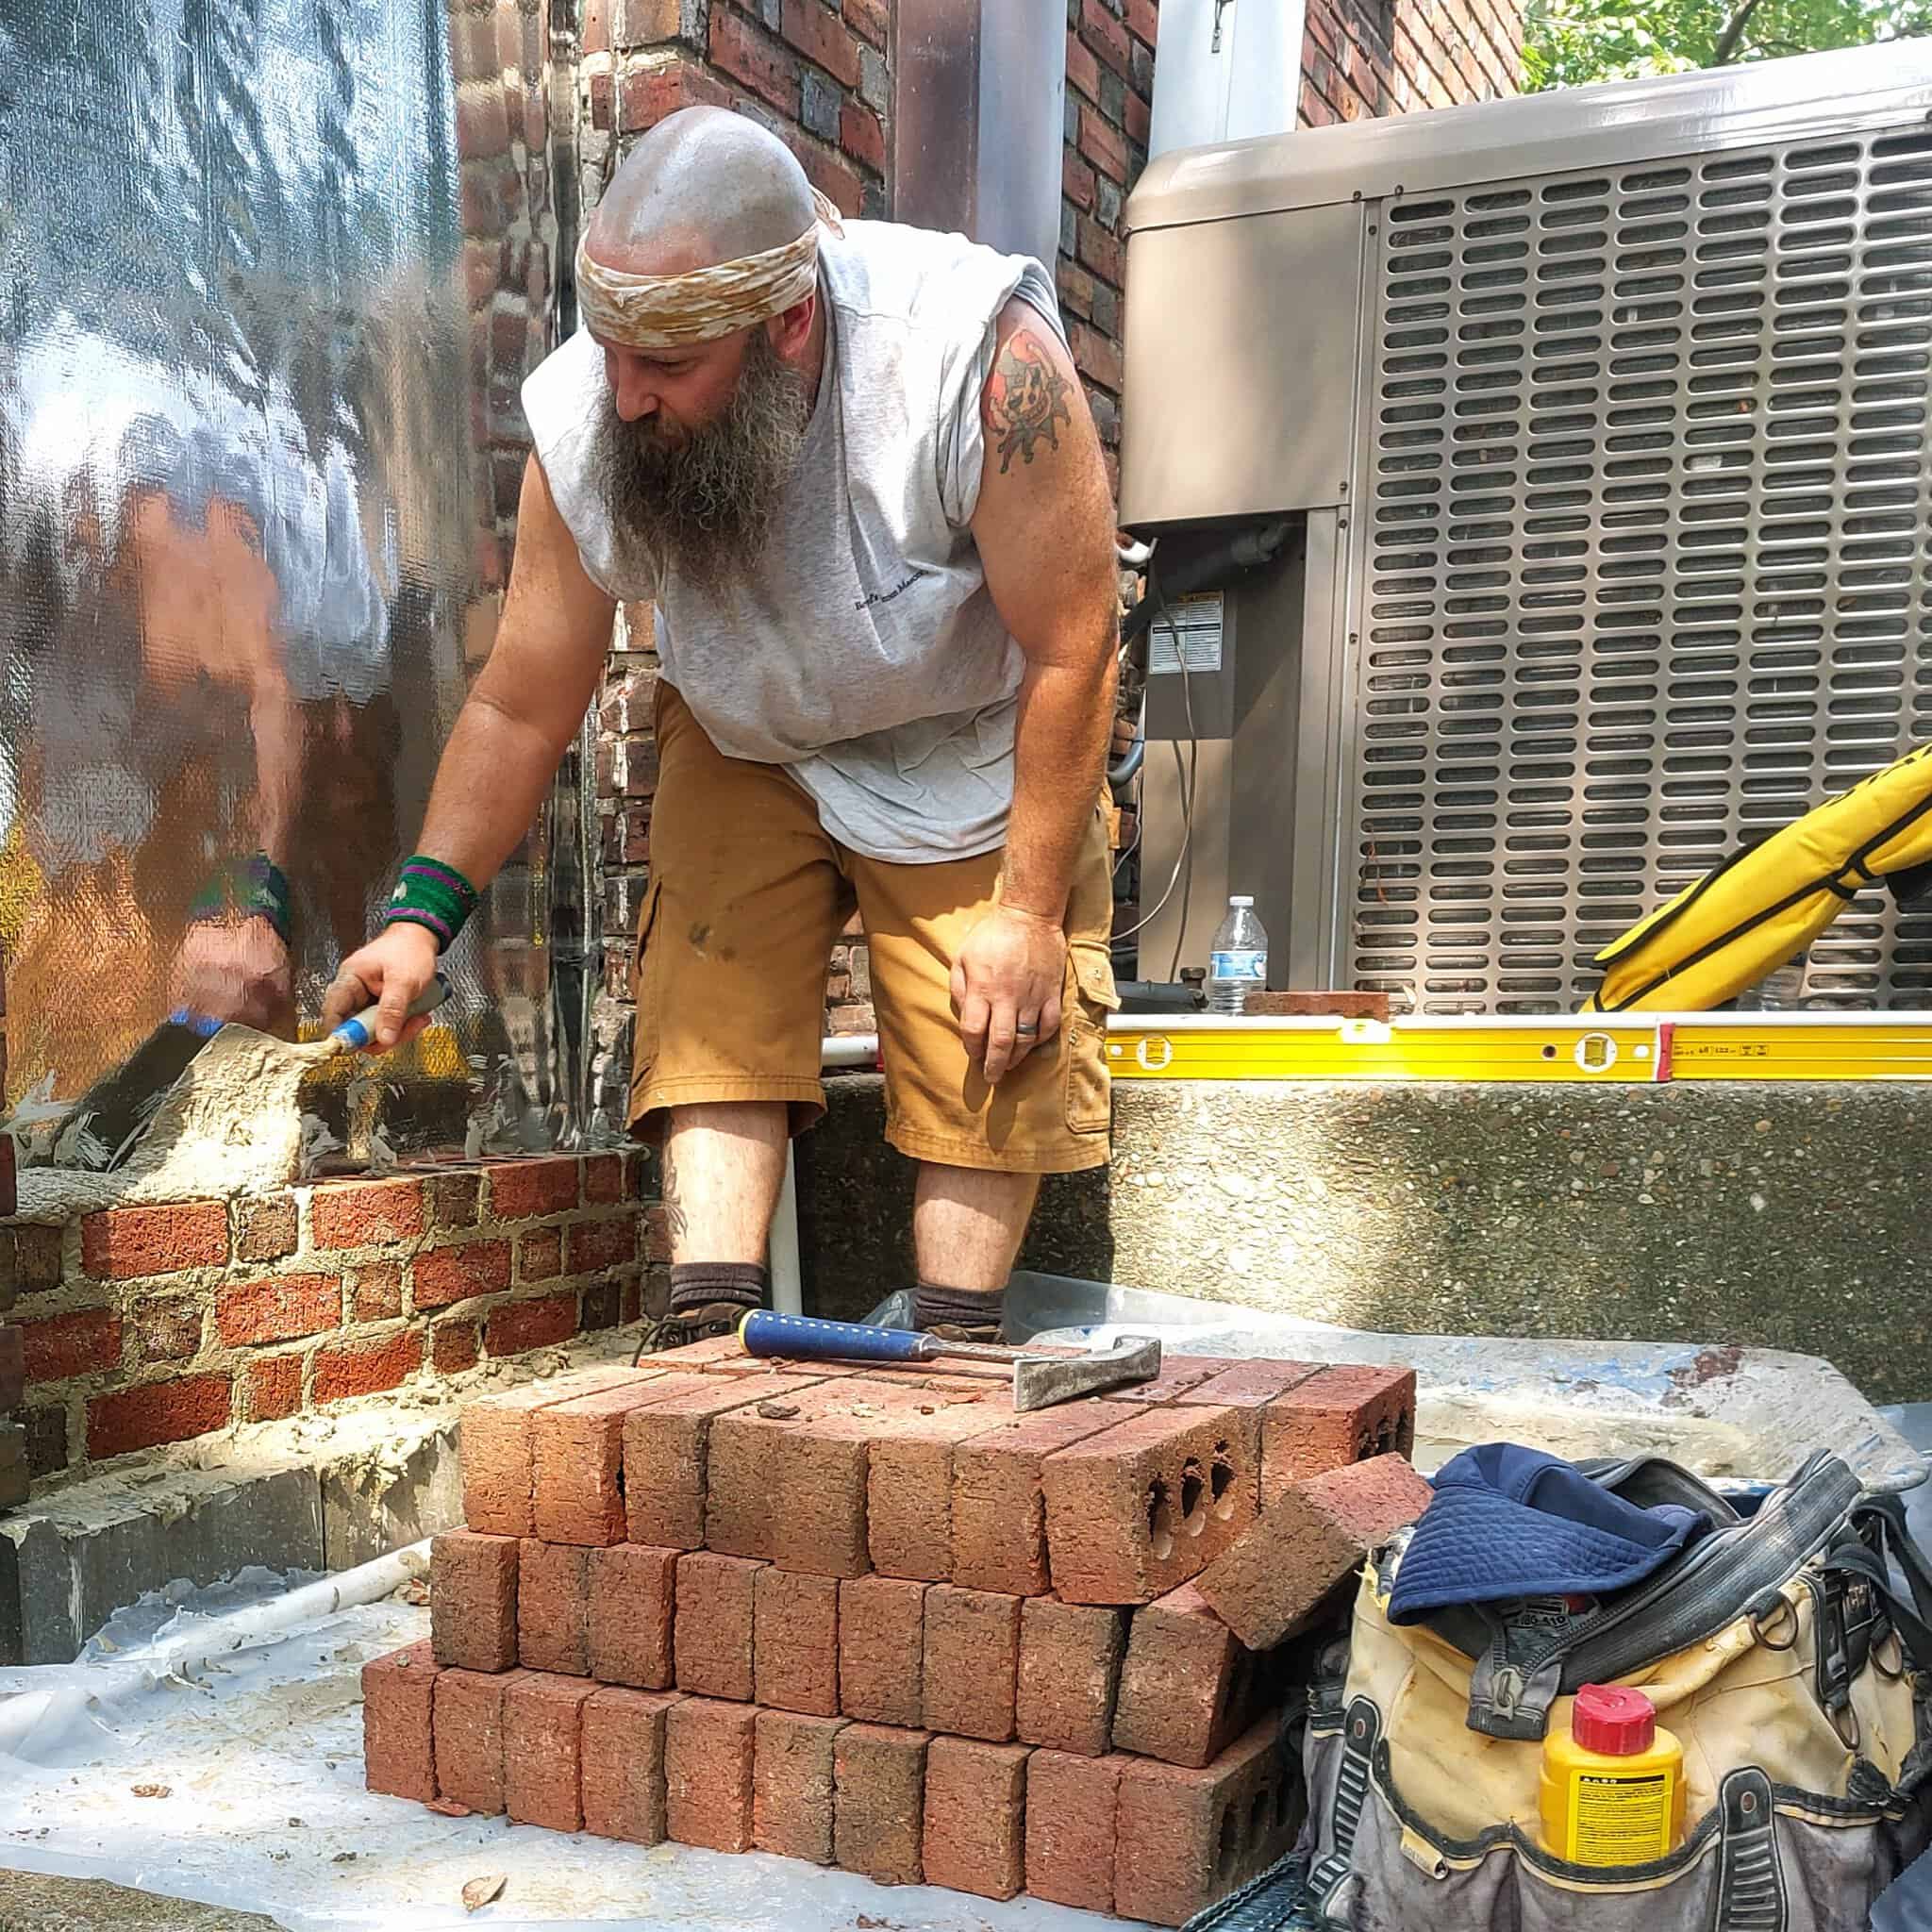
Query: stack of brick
(875,1618)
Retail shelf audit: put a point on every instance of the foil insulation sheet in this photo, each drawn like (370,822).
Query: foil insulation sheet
(273,272)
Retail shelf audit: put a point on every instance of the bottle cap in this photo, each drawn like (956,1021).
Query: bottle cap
(1240,899)
(1613,1720)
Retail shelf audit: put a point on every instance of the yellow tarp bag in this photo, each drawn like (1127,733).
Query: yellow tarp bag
(1769,901)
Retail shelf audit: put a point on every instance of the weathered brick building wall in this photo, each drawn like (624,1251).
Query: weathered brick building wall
(1366,58)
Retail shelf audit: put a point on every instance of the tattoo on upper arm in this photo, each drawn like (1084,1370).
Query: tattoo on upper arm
(1027,399)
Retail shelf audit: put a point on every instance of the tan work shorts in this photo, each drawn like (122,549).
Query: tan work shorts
(747,894)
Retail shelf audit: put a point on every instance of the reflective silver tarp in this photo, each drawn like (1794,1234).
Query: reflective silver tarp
(273,272)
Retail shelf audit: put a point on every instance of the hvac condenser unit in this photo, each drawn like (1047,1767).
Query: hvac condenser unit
(1587,438)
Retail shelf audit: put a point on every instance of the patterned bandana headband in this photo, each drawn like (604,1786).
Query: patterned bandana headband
(654,312)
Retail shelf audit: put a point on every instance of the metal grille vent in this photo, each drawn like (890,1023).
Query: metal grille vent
(1643,568)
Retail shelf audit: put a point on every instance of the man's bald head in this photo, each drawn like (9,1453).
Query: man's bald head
(704,185)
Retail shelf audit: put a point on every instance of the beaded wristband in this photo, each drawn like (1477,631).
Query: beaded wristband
(434,895)
(253,887)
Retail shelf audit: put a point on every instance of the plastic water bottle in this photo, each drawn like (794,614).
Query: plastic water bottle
(1238,959)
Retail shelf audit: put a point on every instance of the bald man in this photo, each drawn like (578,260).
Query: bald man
(851,468)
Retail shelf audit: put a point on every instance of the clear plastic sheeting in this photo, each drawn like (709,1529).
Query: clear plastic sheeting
(166,1760)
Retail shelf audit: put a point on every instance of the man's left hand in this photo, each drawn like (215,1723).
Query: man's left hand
(1006,987)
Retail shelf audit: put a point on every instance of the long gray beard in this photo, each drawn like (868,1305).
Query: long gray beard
(701,509)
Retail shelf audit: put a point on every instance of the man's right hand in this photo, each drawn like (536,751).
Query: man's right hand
(391,971)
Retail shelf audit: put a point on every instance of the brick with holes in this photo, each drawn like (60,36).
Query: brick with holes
(792,1784)
(542,1768)
(577,1449)
(795,1642)
(473,1600)
(1306,1546)
(398,1699)
(554,1607)
(1184,1838)
(975,1816)
(882,1650)
(1070,1804)
(716,1622)
(710,1751)
(1342,1414)
(633,1603)
(972,1662)
(496,1448)
(1142,1506)
(1188,1684)
(878,1777)
(1070,1669)
(623,1753)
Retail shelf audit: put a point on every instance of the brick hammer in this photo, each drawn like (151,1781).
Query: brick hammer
(1040,1381)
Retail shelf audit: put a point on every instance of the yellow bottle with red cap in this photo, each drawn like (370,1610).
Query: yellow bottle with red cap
(1612,1782)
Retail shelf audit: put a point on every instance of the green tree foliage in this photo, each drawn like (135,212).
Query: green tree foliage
(1568,43)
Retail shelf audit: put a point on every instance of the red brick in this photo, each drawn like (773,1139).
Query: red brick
(1140,119)
(378,1293)
(839,182)
(716,1619)
(1077,180)
(1136,1510)
(972,1662)
(666,1452)
(522,1187)
(656,1235)
(156,1412)
(1345,1414)
(792,1785)
(454,1347)
(266,1230)
(1187,1837)
(861,136)
(633,1601)
(1179,1376)
(747,55)
(1307,1546)
(473,1600)
(1070,1670)
(542,1765)
(1143,19)
(1083,70)
(882,1650)
(451,1274)
(999,1513)
(1102,254)
(167,1328)
(878,1777)
(30,1252)
(539,1255)
(622,1758)
(976,1817)
(823,39)
(468,1738)
(278,1310)
(494,1452)
(649,93)
(577,1461)
(274,1387)
(1251,1384)
(604,1180)
(909,1485)
(399,1705)
(870,17)
(454,1198)
(76,1344)
(519,1325)
(1107,37)
(341,1372)
(1097,356)
(594,1245)
(126,1243)
(554,1607)
(795,1642)
(1071,1803)
(1188,1685)
(708,1758)
(365,1214)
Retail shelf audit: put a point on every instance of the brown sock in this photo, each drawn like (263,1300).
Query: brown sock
(956,1305)
(697,1284)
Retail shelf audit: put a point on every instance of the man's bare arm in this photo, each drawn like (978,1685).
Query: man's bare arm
(1044,526)
(522,713)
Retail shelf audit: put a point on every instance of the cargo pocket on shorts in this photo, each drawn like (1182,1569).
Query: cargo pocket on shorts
(644,995)
(1089,998)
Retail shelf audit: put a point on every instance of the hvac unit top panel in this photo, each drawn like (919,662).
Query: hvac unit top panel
(1641,557)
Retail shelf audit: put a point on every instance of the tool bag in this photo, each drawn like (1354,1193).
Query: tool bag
(1778,1648)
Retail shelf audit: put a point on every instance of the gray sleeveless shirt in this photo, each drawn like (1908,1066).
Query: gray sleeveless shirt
(863,652)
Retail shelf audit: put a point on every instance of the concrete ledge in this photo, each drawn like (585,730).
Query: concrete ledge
(1788,1216)
(318,1493)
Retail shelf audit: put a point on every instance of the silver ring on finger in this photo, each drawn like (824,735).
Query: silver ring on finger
(1024,1031)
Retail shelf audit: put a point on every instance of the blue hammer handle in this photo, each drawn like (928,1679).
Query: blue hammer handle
(806,1339)
(353,1035)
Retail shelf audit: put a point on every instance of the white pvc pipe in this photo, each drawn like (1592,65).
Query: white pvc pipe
(781,1247)
(849,1050)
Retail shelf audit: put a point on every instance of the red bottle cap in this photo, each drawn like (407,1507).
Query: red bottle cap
(1613,1720)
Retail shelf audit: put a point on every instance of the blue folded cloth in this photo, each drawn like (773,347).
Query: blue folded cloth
(1509,1522)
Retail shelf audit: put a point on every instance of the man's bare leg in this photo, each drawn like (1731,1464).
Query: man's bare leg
(724,1165)
(966,1229)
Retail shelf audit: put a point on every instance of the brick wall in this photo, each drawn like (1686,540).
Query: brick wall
(1390,57)
(151,1325)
